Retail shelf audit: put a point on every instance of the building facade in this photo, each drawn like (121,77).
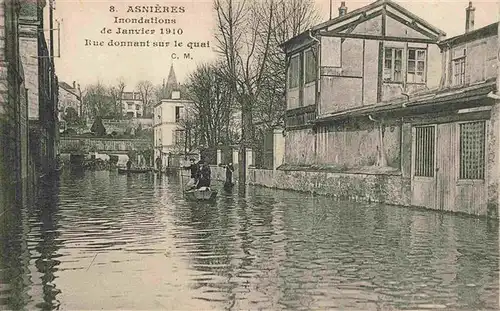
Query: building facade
(379,91)
(168,126)
(169,121)
(13,108)
(70,98)
(133,105)
(41,84)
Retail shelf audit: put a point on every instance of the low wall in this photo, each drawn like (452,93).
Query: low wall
(219,173)
(383,188)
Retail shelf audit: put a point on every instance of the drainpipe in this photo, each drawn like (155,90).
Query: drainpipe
(316,99)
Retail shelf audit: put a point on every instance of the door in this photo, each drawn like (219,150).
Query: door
(423,172)
(448,167)
(446,163)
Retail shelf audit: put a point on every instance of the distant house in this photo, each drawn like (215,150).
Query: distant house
(379,91)
(133,104)
(70,96)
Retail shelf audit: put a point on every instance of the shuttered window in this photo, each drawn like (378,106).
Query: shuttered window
(424,151)
(472,150)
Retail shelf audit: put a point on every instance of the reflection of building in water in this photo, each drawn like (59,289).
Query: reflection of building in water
(45,253)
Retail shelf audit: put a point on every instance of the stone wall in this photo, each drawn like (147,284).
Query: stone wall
(383,188)
(11,121)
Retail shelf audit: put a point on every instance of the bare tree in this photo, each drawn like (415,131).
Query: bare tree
(98,101)
(121,89)
(146,89)
(211,105)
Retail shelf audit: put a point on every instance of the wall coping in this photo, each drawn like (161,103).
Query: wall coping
(103,138)
(368,170)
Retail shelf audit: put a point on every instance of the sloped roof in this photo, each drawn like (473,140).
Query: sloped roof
(361,12)
(486,31)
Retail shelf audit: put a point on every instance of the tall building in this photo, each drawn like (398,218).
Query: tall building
(169,118)
(13,107)
(41,87)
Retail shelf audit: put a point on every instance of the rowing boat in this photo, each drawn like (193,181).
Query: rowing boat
(202,194)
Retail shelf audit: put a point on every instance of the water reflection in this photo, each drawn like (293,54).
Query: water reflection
(107,241)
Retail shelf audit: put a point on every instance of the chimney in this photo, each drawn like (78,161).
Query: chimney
(469,18)
(74,85)
(342,9)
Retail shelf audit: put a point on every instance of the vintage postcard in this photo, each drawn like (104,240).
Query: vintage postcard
(249,155)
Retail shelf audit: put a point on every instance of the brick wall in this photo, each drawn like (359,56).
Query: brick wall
(11,121)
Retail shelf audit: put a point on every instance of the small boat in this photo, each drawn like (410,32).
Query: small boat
(202,194)
(134,171)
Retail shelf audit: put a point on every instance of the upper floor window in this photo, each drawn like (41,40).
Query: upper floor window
(393,65)
(294,72)
(416,65)
(177,114)
(310,66)
(459,71)
(459,67)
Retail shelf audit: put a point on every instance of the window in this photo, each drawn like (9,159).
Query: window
(178,137)
(416,65)
(472,150)
(424,151)
(130,105)
(459,71)
(293,72)
(393,65)
(310,66)
(178,115)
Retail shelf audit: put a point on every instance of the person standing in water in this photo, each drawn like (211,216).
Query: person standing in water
(158,164)
(229,175)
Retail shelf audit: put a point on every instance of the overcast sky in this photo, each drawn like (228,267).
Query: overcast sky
(85,19)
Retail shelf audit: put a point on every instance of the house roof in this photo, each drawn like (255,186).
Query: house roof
(362,12)
(68,88)
(432,99)
(487,31)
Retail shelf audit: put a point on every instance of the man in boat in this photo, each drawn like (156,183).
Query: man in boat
(205,175)
(194,168)
(229,175)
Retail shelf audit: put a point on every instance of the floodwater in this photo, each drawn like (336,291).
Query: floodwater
(100,240)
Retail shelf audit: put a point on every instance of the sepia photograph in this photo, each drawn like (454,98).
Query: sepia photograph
(249,155)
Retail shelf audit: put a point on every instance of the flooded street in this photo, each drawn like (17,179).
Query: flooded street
(106,241)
